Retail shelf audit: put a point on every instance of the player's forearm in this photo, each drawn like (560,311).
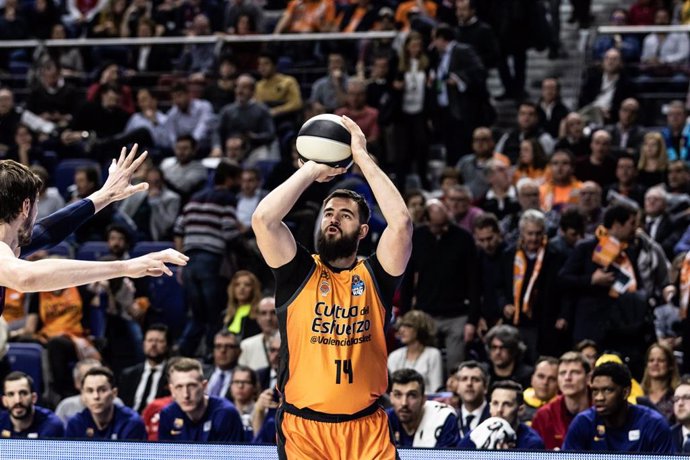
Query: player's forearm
(277,204)
(53,274)
(387,195)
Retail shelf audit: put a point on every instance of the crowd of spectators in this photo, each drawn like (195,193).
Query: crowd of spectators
(550,269)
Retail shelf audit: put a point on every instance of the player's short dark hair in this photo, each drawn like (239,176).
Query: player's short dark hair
(18,375)
(472,364)
(508,385)
(362,205)
(618,213)
(572,219)
(100,370)
(405,376)
(619,373)
(487,220)
(17,183)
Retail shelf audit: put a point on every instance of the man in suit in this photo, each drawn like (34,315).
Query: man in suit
(460,92)
(626,134)
(144,382)
(658,222)
(226,352)
(268,375)
(680,432)
(473,381)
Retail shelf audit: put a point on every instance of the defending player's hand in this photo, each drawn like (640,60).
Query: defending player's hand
(358,144)
(153,264)
(118,186)
(321,172)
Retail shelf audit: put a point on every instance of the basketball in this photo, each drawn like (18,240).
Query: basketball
(325,139)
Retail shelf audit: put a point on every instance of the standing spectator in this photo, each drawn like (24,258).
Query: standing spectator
(183,174)
(510,21)
(551,110)
(527,128)
(472,167)
(215,208)
(653,162)
(626,187)
(244,294)
(203,418)
(142,383)
(417,333)
(249,196)
(571,229)
(562,189)
(501,198)
(506,352)
(226,351)
(306,17)
(440,278)
(490,248)
(188,116)
(476,33)
(552,420)
(416,422)
(661,378)
(544,387)
(24,419)
(614,425)
(472,386)
(102,418)
(255,348)
(626,134)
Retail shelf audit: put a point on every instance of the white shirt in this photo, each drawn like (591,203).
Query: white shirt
(157,374)
(653,223)
(429,364)
(477,415)
(605,96)
(254,352)
(413,96)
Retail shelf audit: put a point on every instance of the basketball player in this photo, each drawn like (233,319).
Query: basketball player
(19,189)
(332,309)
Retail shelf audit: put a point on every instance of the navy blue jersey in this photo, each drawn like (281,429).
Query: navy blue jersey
(220,422)
(45,425)
(527,439)
(447,433)
(267,432)
(645,431)
(126,424)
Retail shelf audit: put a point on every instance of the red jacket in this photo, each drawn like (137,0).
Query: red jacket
(551,421)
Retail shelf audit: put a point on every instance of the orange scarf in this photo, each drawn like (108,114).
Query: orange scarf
(685,286)
(524,303)
(610,252)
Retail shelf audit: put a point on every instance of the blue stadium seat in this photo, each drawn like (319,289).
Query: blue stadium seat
(63,176)
(167,302)
(27,358)
(144,247)
(266,167)
(92,250)
(63,249)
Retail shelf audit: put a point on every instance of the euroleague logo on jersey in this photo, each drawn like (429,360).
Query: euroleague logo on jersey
(357,286)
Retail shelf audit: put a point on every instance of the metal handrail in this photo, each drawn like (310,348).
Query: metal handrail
(642,29)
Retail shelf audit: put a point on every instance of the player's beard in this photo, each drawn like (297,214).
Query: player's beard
(28,411)
(26,230)
(331,249)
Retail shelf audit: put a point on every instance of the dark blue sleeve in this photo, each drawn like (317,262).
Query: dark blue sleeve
(54,228)
(134,430)
(577,435)
(53,428)
(74,429)
(466,443)
(164,425)
(450,434)
(530,440)
(267,433)
(661,441)
(230,426)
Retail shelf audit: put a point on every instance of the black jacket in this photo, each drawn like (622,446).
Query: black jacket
(129,381)
(592,85)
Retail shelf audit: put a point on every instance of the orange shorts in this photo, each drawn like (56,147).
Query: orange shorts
(365,438)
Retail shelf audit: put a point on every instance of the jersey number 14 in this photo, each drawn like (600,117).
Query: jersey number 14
(343,366)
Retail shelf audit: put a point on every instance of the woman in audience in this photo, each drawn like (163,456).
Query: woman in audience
(417,332)
(244,293)
(661,377)
(415,201)
(653,160)
(532,162)
(25,151)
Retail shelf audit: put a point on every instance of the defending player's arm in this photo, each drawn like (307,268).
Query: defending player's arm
(275,241)
(53,274)
(395,245)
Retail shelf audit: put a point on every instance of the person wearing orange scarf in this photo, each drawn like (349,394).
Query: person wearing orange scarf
(529,287)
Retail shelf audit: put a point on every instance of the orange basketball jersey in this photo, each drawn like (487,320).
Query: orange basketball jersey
(334,349)
(61,312)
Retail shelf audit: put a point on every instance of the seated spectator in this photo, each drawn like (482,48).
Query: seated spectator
(188,116)
(562,189)
(661,378)
(544,387)
(110,73)
(237,8)
(87,179)
(571,229)
(627,44)
(626,186)
(552,420)
(330,90)
(472,167)
(148,60)
(417,333)
(532,162)
(357,109)
(148,117)
(248,118)
(220,91)
(614,425)
(527,128)
(264,417)
(244,390)
(26,150)
(53,99)
(153,211)
(626,134)
(528,198)
(658,223)
(255,348)
(642,13)
(501,198)
(9,120)
(198,58)
(102,418)
(603,89)
(505,351)
(203,418)
(307,17)
(676,133)
(142,383)
(24,419)
(226,351)
(472,386)
(408,8)
(107,23)
(416,202)
(244,294)
(183,174)
(360,16)
(678,185)
(280,92)
(654,161)
(506,402)
(589,350)
(599,166)
(416,422)
(551,109)
(458,199)
(268,376)
(590,206)
(664,55)
(572,136)
(681,412)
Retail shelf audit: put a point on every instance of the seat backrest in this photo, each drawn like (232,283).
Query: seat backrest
(63,176)
(27,358)
(145,247)
(92,250)
(168,302)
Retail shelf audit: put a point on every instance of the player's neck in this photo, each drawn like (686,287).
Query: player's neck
(104,419)
(20,425)
(411,426)
(343,263)
(577,403)
(9,235)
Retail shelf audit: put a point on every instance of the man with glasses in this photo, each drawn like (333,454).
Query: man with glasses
(680,432)
(255,348)
(226,351)
(194,416)
(505,353)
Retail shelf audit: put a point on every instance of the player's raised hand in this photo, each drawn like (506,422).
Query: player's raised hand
(153,264)
(118,185)
(358,144)
(322,172)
